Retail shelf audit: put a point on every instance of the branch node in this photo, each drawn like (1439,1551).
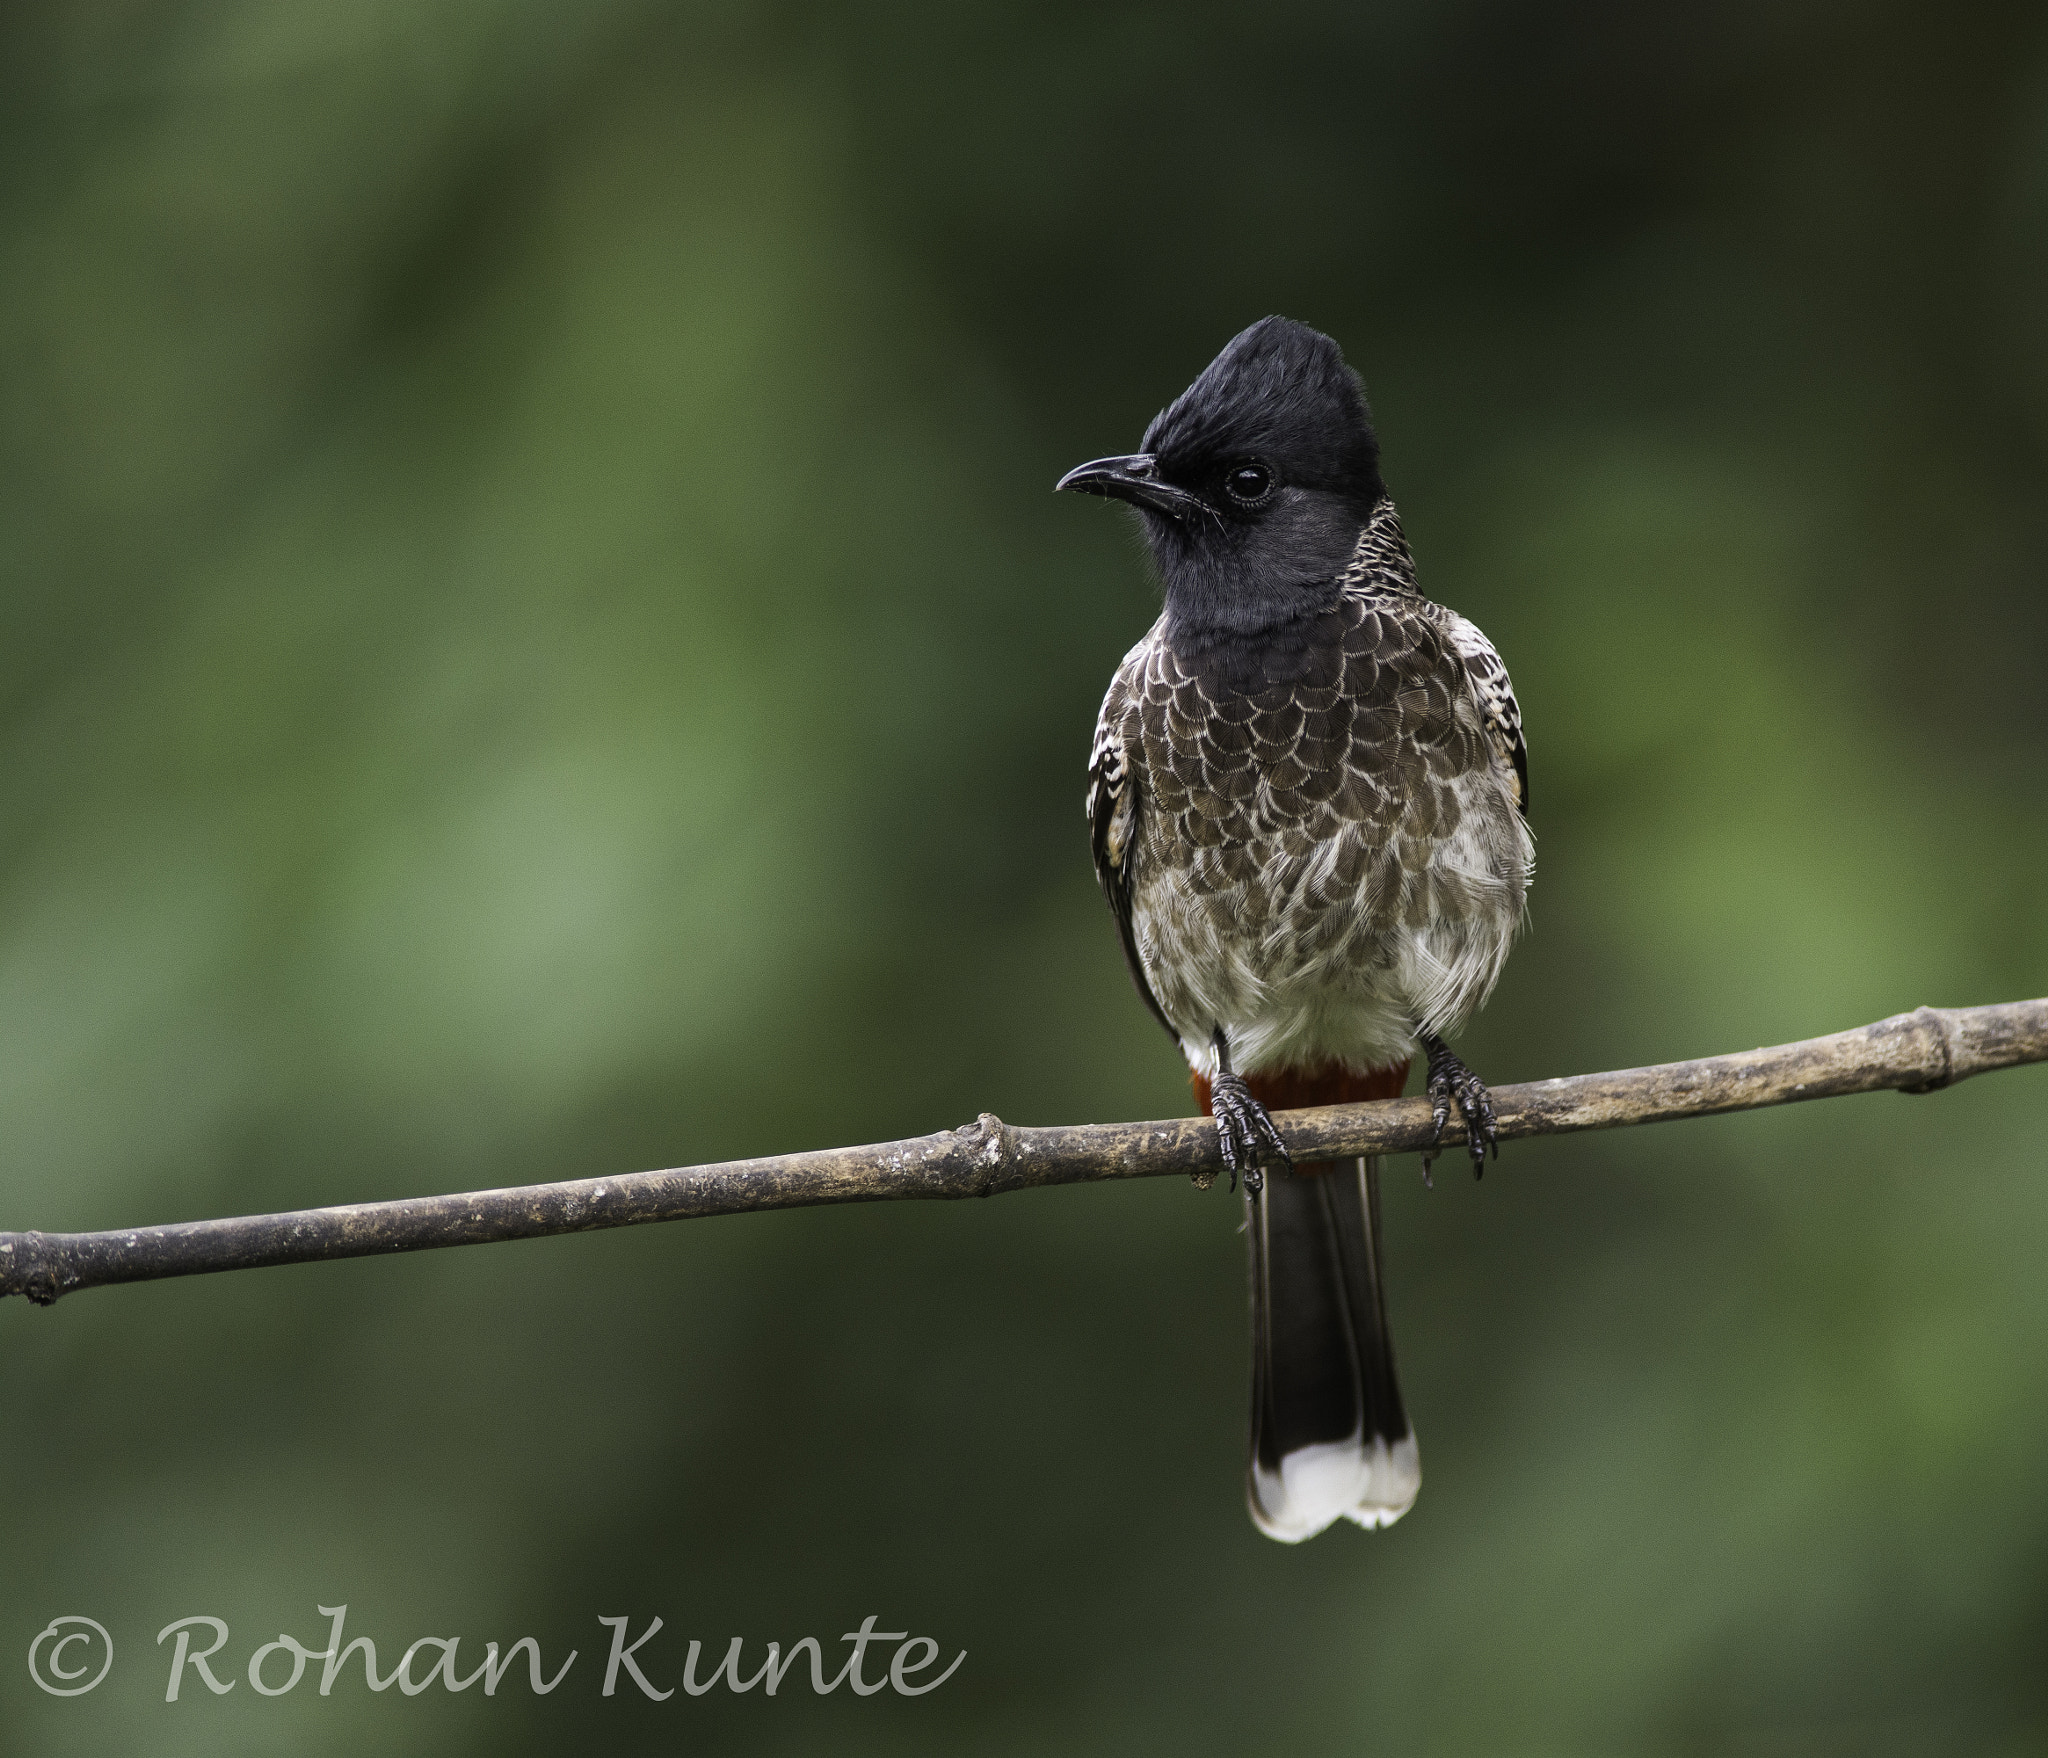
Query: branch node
(1938,1023)
(29,1268)
(995,1154)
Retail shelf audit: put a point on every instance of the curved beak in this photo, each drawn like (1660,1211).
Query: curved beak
(1134,479)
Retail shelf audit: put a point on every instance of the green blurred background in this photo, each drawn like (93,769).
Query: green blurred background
(537,642)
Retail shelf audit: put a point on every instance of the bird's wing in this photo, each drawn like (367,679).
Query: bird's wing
(1115,800)
(1496,701)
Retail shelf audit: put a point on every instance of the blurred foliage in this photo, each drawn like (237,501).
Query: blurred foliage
(536,642)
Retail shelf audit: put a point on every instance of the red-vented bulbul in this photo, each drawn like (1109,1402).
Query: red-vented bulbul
(1307,796)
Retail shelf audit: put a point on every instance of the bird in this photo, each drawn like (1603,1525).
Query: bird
(1308,803)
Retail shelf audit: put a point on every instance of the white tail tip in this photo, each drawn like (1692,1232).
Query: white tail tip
(1366,1481)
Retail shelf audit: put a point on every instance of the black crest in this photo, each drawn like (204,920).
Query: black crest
(1280,393)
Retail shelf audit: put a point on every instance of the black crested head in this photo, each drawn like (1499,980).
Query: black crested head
(1253,483)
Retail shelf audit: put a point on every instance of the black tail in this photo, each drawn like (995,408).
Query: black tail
(1329,1435)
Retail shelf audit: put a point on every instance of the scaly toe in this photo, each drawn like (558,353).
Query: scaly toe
(1269,1136)
(1481,1131)
(1244,1132)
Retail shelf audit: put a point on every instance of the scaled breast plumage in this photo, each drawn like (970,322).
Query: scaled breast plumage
(1354,778)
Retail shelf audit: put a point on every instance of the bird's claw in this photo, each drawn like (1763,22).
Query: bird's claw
(1244,1132)
(1450,1081)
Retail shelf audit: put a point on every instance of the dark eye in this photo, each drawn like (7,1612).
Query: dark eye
(1248,484)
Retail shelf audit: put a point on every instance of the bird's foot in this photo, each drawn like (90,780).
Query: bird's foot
(1244,1132)
(1450,1081)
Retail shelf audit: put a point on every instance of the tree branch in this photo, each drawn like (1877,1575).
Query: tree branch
(1911,1052)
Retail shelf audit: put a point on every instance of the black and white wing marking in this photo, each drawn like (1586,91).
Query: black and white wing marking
(1113,806)
(1496,701)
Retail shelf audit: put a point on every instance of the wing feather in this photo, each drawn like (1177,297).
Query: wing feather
(1496,701)
(1115,801)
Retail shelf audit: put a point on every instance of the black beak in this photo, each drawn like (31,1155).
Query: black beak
(1134,479)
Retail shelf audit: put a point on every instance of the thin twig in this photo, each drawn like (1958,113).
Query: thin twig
(1911,1052)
